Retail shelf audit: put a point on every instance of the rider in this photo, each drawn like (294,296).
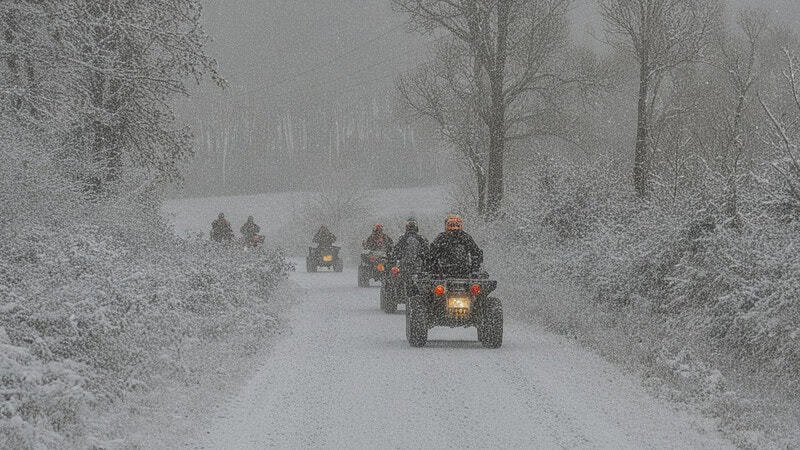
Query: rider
(454,252)
(324,237)
(249,230)
(221,229)
(378,241)
(411,248)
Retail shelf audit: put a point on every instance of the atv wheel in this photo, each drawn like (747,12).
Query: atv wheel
(490,328)
(338,265)
(310,266)
(388,304)
(416,326)
(363,281)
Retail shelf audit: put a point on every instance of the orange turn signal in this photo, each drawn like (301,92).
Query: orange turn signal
(395,270)
(475,289)
(439,290)
(381,267)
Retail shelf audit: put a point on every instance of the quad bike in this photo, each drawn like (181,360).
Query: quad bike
(392,290)
(324,256)
(373,264)
(254,241)
(454,302)
(397,285)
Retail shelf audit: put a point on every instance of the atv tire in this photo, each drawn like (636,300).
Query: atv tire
(416,323)
(338,265)
(310,266)
(388,304)
(363,277)
(490,328)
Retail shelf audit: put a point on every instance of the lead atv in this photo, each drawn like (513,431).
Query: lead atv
(454,302)
(324,256)
(373,264)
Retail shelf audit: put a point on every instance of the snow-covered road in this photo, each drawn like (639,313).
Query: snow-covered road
(345,377)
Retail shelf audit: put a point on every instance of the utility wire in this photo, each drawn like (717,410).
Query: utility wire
(319,66)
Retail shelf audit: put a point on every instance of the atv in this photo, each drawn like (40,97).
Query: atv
(392,289)
(397,285)
(254,241)
(324,256)
(373,264)
(454,302)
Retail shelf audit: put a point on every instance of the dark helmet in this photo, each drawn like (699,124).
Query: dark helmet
(249,218)
(221,216)
(411,226)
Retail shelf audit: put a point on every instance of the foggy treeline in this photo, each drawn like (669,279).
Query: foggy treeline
(253,145)
(567,96)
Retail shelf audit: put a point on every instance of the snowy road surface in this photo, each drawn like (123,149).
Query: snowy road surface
(346,378)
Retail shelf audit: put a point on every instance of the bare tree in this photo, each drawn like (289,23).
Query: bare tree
(661,35)
(740,65)
(512,43)
(785,139)
(448,90)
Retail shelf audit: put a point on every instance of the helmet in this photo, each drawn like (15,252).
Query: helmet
(453,222)
(249,218)
(411,225)
(378,228)
(221,216)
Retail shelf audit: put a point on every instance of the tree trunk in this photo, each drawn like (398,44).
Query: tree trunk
(497,121)
(480,179)
(496,148)
(476,129)
(641,166)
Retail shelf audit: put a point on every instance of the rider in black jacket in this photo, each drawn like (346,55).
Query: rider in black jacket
(324,237)
(454,252)
(410,249)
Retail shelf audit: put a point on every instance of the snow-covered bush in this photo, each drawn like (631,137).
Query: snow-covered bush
(100,298)
(656,285)
(42,402)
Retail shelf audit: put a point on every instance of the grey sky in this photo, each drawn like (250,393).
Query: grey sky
(262,45)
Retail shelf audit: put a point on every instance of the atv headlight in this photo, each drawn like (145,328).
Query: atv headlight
(327,258)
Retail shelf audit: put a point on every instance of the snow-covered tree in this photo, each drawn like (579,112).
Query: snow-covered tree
(502,66)
(662,35)
(102,75)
